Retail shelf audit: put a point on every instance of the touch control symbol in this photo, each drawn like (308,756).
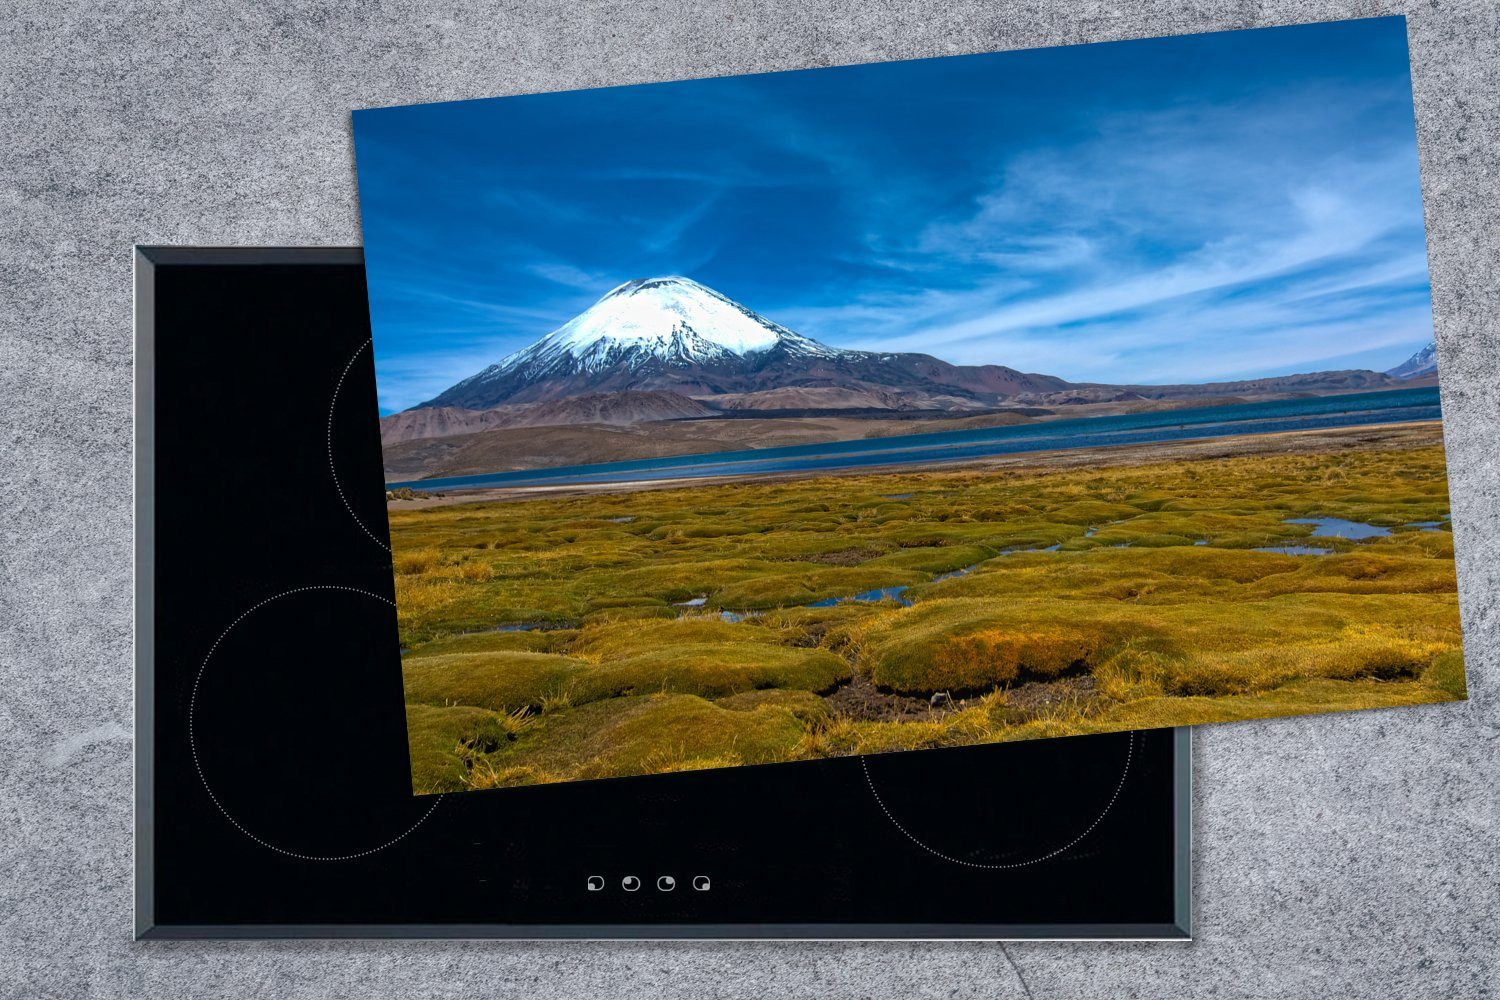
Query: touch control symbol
(596,883)
(666,883)
(701,883)
(630,883)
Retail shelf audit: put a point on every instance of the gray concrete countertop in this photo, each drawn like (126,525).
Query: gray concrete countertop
(1352,855)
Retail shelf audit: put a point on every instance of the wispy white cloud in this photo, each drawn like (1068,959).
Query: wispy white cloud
(1174,229)
(561,273)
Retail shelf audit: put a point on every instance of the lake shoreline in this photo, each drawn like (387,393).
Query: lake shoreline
(1403,434)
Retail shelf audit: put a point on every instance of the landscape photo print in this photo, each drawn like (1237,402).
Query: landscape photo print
(909,405)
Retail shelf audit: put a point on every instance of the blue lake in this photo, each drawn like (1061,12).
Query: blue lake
(1351,410)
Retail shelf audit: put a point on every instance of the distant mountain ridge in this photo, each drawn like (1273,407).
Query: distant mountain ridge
(672,335)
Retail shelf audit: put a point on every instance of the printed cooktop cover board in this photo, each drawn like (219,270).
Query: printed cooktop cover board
(909,405)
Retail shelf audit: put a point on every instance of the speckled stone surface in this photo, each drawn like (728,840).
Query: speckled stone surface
(1352,855)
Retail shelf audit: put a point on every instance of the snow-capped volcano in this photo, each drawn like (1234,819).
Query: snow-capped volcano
(672,319)
(648,325)
(671,333)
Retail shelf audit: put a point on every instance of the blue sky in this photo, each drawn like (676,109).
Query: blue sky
(1170,210)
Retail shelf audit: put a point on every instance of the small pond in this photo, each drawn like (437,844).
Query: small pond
(1337,527)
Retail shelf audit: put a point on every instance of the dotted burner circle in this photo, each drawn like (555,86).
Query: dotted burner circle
(1045,855)
(197,751)
(333,469)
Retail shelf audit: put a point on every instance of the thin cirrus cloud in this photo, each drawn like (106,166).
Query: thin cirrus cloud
(1189,209)
(1078,232)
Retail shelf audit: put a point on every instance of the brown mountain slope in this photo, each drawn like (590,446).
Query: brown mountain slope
(610,409)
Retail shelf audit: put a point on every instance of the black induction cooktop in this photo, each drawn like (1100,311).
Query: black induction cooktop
(273,790)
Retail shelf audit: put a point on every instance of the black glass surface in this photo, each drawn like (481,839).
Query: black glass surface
(273,787)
